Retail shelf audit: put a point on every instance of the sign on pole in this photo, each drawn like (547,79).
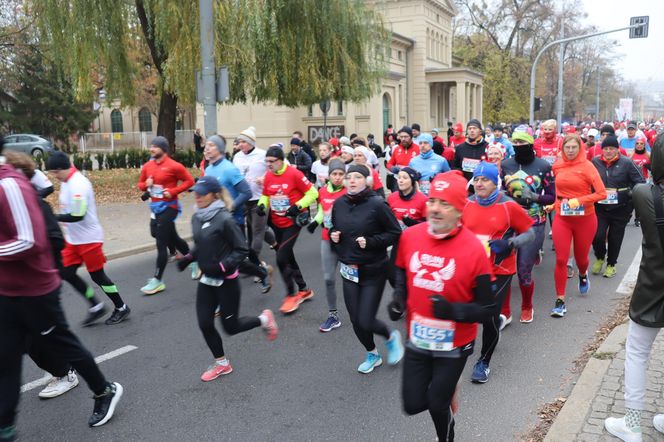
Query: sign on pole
(640,31)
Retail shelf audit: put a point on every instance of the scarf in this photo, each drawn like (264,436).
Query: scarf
(207,213)
(488,200)
(409,196)
(426,155)
(359,196)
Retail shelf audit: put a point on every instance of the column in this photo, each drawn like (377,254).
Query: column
(461,102)
(480,106)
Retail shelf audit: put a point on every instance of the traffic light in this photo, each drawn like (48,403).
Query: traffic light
(538,103)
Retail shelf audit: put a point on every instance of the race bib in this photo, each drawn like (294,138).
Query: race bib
(327,219)
(213,282)
(431,334)
(550,159)
(279,204)
(350,272)
(157,191)
(469,164)
(484,239)
(611,197)
(566,210)
(425,185)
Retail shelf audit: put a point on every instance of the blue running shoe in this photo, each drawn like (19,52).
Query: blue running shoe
(559,309)
(584,284)
(395,348)
(372,361)
(153,286)
(330,323)
(481,372)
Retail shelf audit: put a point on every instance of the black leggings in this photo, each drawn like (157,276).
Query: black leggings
(99,277)
(491,327)
(610,229)
(227,297)
(252,265)
(429,384)
(362,300)
(162,228)
(288,267)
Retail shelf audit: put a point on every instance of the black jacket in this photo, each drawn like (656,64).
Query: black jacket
(472,151)
(367,215)
(53,232)
(301,160)
(217,240)
(623,175)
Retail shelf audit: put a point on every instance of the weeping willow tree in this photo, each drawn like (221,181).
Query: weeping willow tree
(288,52)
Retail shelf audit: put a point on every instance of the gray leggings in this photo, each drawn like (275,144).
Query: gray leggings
(329,261)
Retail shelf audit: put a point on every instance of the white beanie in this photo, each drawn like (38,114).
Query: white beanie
(248,135)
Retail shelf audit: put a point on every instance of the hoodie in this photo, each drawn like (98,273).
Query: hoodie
(578,179)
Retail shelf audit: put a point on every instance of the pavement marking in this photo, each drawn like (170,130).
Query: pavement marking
(629,280)
(99,359)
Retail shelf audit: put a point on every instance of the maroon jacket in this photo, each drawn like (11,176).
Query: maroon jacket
(26,260)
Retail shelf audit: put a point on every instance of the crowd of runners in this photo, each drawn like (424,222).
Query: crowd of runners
(458,215)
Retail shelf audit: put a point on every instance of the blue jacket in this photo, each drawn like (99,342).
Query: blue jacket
(429,164)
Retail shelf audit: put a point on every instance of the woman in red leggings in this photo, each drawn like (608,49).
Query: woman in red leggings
(578,188)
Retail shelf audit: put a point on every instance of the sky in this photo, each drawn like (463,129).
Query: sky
(641,58)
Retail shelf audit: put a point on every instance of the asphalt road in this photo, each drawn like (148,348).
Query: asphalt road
(304,386)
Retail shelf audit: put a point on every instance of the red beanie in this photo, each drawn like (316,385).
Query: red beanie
(450,187)
(458,127)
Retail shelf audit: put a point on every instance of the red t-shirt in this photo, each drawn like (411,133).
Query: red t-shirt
(401,157)
(283,191)
(165,175)
(642,160)
(326,200)
(377,183)
(456,141)
(492,222)
(415,208)
(548,149)
(447,267)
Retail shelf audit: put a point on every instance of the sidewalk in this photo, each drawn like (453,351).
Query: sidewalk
(599,391)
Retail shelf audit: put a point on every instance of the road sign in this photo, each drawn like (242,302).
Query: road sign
(641,31)
(325,106)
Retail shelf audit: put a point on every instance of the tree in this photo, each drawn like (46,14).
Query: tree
(291,52)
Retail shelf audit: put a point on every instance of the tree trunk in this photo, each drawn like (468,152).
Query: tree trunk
(168,107)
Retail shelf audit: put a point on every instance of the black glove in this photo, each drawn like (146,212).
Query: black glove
(260,210)
(292,211)
(183,262)
(501,248)
(312,226)
(145,196)
(442,309)
(395,310)
(408,221)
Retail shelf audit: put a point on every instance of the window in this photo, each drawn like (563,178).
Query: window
(10,139)
(310,111)
(144,120)
(340,107)
(387,111)
(116,121)
(400,55)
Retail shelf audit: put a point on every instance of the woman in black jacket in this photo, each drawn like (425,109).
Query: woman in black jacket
(363,228)
(219,248)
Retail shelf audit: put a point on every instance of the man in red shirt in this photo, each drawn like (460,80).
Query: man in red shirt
(165,179)
(548,145)
(403,153)
(287,194)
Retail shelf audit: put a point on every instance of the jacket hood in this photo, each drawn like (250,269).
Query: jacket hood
(564,162)
(657,160)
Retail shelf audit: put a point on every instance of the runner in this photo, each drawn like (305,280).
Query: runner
(289,195)
(347,155)
(401,154)
(320,167)
(362,228)
(495,154)
(408,204)
(549,144)
(219,248)
(361,156)
(619,175)
(327,195)
(528,180)
(469,154)
(502,226)
(165,178)
(443,258)
(84,239)
(458,137)
(578,187)
(427,163)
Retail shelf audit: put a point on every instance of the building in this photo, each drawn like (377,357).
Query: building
(422,85)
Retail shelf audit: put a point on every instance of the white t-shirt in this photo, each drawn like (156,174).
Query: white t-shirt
(77,198)
(40,181)
(321,171)
(252,166)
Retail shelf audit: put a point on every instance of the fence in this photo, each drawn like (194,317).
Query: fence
(110,142)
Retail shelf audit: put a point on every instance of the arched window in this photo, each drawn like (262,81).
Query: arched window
(116,121)
(144,120)
(387,110)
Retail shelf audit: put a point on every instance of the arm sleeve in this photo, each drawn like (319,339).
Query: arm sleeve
(234,237)
(141,179)
(45,191)
(306,166)
(635,175)
(400,293)
(523,238)
(445,167)
(263,201)
(549,196)
(16,222)
(186,178)
(483,306)
(319,214)
(598,186)
(391,229)
(69,218)
(391,162)
(243,193)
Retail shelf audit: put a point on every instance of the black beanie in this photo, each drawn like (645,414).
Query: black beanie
(607,129)
(58,161)
(359,168)
(275,152)
(416,126)
(474,122)
(160,142)
(412,173)
(610,141)
(406,129)
(296,141)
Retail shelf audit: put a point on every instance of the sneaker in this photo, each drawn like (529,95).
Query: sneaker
(271,329)
(290,304)
(504,321)
(395,348)
(305,295)
(596,269)
(195,271)
(658,422)
(118,316)
(610,271)
(105,405)
(93,316)
(172,257)
(527,316)
(215,370)
(559,309)
(584,284)
(570,272)
(330,323)
(58,386)
(153,286)
(372,361)
(481,372)
(617,427)
(266,283)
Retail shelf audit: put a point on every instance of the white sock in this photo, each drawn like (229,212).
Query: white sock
(263,320)
(374,351)
(123,308)
(223,361)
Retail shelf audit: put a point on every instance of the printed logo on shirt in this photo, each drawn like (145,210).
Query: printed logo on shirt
(205,225)
(431,280)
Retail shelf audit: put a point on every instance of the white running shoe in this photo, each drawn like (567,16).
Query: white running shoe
(658,422)
(58,386)
(617,427)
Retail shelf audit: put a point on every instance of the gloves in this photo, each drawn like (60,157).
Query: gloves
(292,211)
(395,310)
(442,309)
(260,210)
(395,169)
(312,226)
(501,248)
(408,221)
(573,203)
(529,194)
(184,262)
(145,196)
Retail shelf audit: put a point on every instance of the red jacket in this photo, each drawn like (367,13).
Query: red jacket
(166,173)
(578,179)
(401,156)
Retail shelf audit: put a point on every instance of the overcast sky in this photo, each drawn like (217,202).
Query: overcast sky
(642,58)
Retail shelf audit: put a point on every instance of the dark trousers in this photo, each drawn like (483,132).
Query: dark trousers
(610,230)
(288,267)
(162,228)
(491,327)
(40,318)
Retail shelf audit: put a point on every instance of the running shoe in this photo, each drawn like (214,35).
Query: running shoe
(105,405)
(570,272)
(330,323)
(617,427)
(58,386)
(527,316)
(504,321)
(93,316)
(195,271)
(658,422)
(215,370)
(172,257)
(559,309)
(596,269)
(481,372)
(266,282)
(610,271)
(372,361)
(290,304)
(584,284)
(395,348)
(305,295)
(271,330)
(153,286)
(118,316)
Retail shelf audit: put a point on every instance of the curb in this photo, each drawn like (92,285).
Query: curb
(571,418)
(136,250)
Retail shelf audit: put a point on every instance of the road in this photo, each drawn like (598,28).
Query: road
(304,386)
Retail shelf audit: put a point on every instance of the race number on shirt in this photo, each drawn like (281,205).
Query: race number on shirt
(431,334)
(425,185)
(566,210)
(611,197)
(279,204)
(469,164)
(350,272)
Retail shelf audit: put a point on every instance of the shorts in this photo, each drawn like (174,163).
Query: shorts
(90,254)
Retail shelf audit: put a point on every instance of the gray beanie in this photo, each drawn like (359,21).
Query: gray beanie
(219,142)
(336,164)
(161,143)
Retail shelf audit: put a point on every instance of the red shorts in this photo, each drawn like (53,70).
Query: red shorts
(90,254)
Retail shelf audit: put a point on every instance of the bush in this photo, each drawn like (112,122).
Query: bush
(82,161)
